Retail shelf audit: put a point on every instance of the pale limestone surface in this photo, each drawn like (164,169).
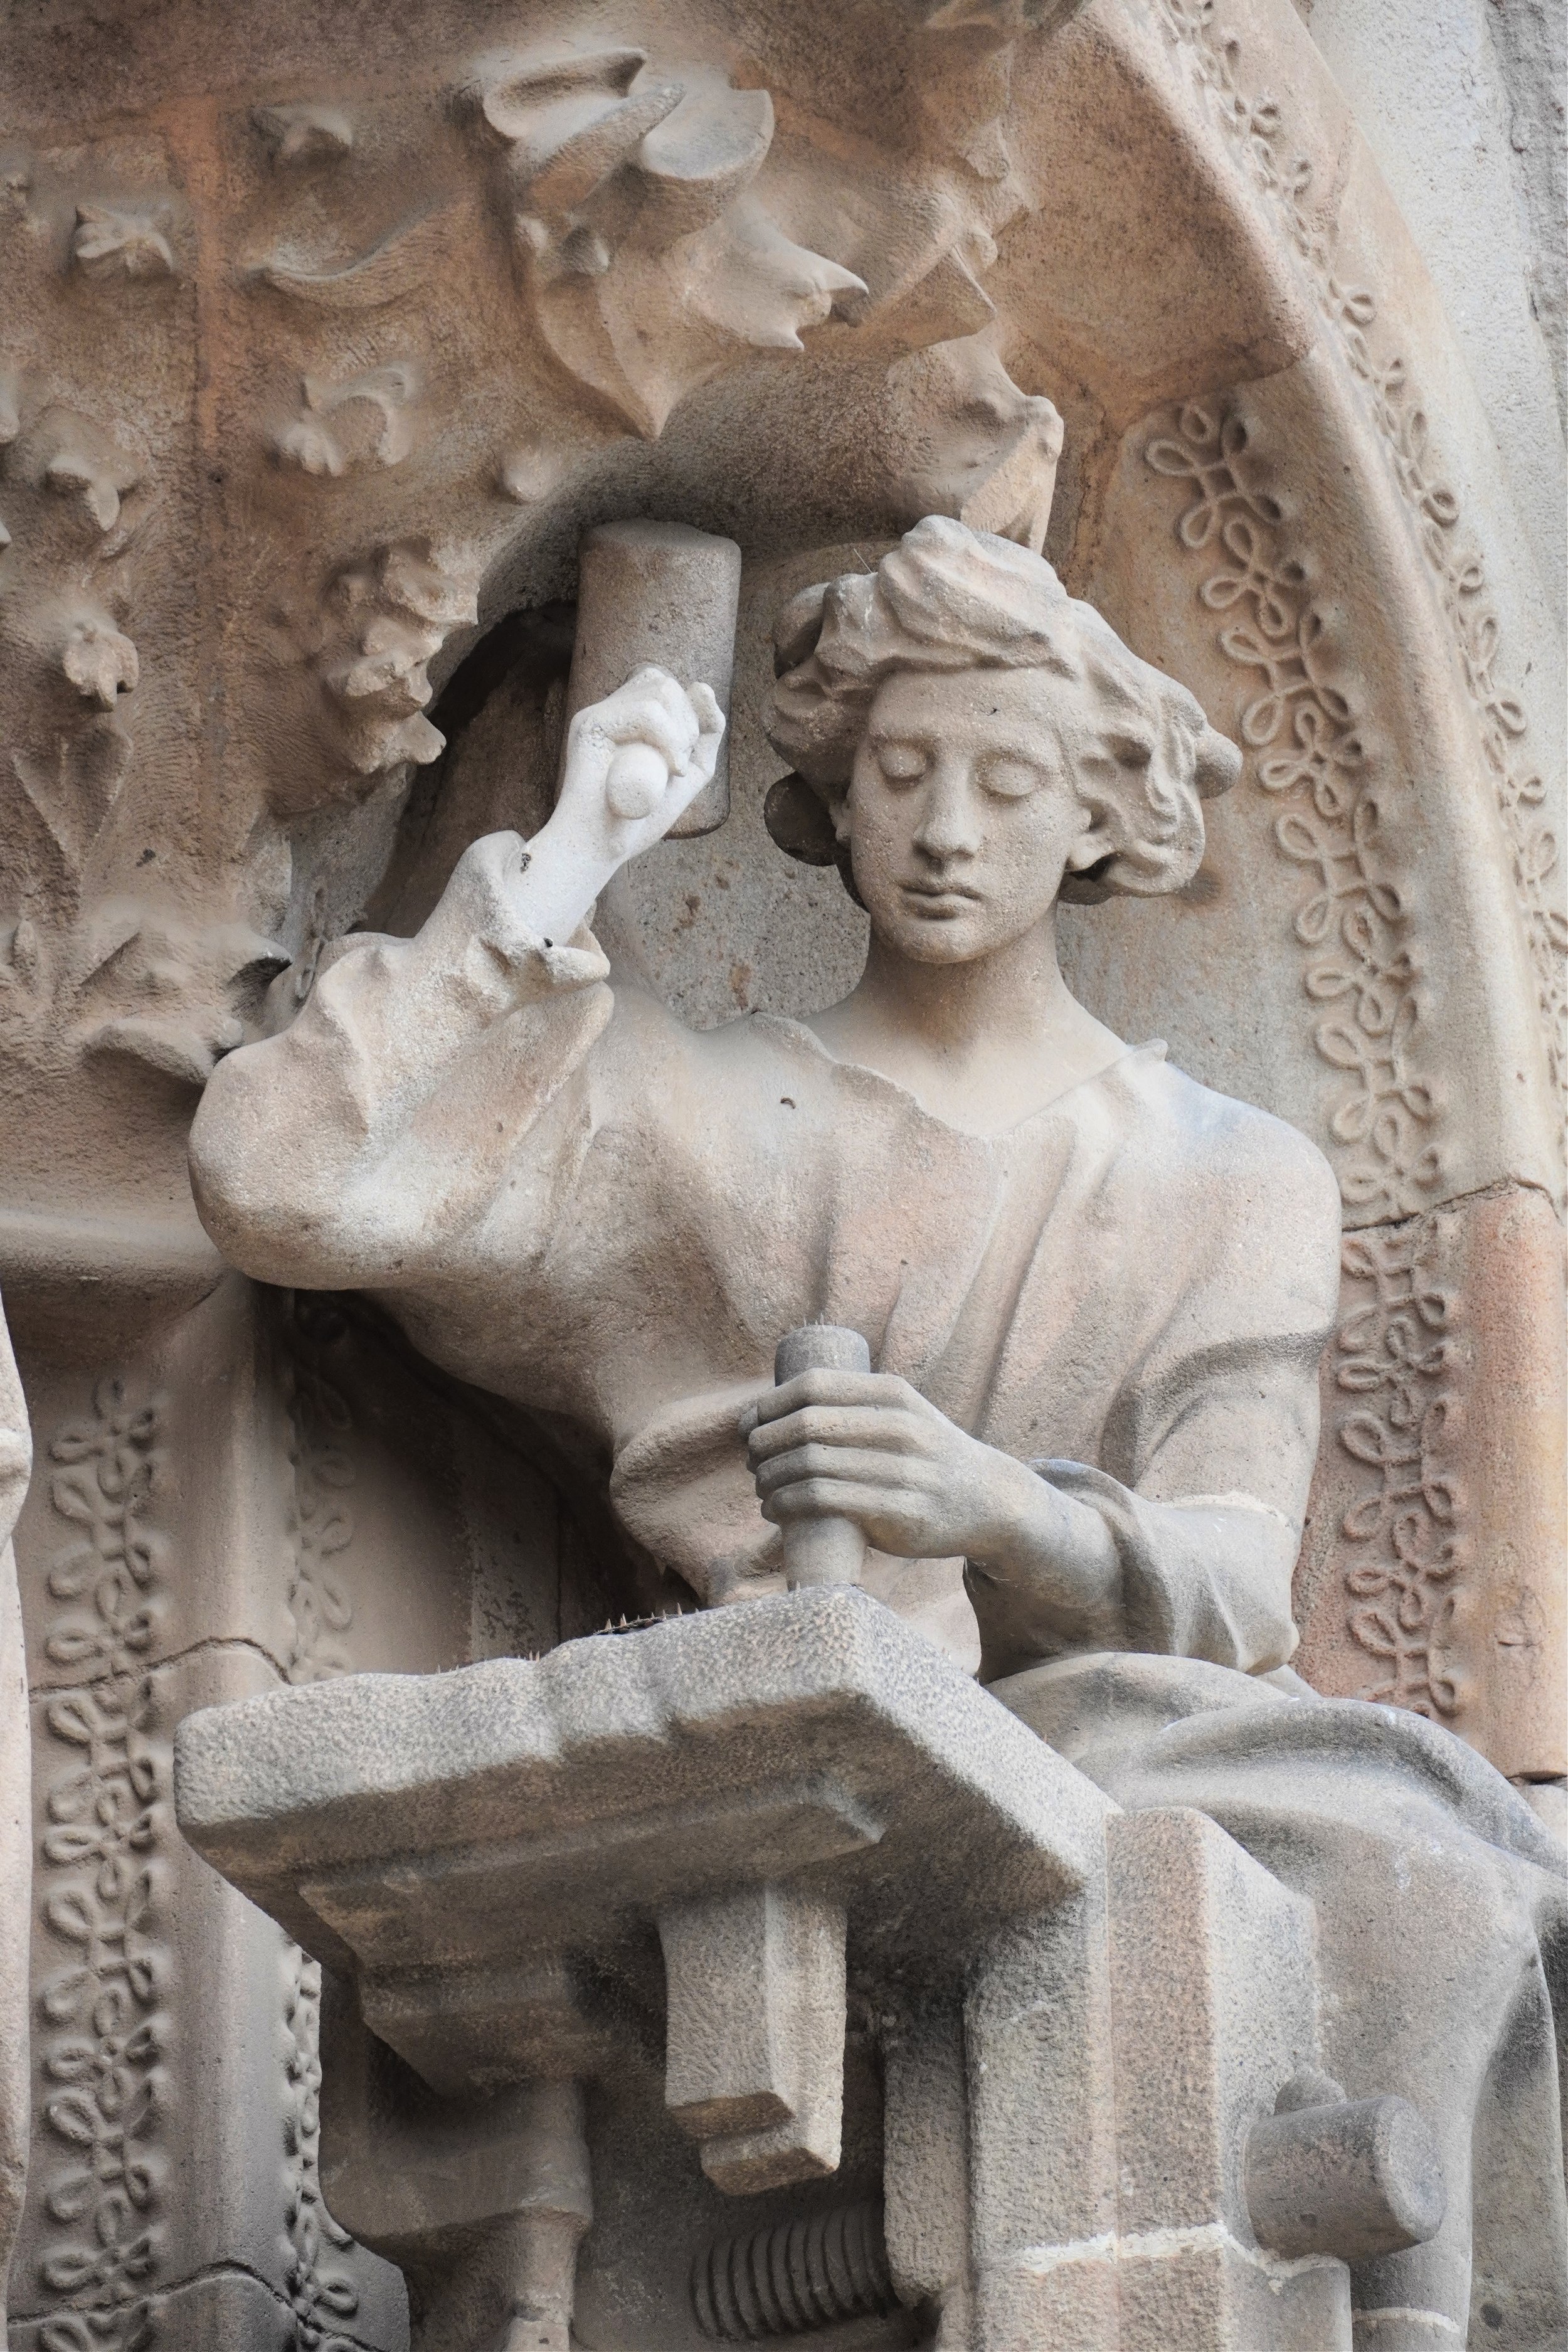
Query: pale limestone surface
(1463,105)
(311,383)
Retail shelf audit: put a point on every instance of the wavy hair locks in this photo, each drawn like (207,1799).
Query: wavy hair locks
(1136,745)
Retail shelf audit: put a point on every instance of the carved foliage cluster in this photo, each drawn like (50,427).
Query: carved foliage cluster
(102,2023)
(646,254)
(85,968)
(130,979)
(83,507)
(1312,752)
(1395,1352)
(358,420)
(78,496)
(384,620)
(1254,123)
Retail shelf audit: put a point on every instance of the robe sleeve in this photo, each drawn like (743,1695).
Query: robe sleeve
(365,1145)
(1206,1576)
(1208,1451)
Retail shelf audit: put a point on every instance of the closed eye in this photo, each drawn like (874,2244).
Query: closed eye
(902,764)
(1008,778)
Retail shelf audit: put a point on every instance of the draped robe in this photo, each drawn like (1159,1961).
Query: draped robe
(567,1197)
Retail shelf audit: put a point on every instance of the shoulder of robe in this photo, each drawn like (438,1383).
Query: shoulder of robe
(649,1064)
(1245,1168)
(643,1024)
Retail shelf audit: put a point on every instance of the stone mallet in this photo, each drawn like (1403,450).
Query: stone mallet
(655,592)
(829,1550)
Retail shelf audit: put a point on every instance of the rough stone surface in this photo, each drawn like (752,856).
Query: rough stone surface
(1443,1389)
(1463,105)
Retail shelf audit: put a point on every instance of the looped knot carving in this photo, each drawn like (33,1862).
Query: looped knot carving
(1306,716)
(104,2029)
(1214,63)
(1396,1350)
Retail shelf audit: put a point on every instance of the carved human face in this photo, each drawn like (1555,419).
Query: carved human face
(961,814)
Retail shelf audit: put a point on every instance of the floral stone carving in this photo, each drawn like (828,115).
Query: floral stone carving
(646,254)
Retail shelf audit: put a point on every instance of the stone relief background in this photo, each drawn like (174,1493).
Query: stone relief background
(321,344)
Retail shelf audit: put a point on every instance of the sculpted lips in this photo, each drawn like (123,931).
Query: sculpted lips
(941,897)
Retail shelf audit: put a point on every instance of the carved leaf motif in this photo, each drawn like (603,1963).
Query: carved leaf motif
(763,289)
(698,158)
(419,586)
(189,973)
(580,141)
(133,243)
(646,258)
(308,443)
(75,801)
(388,392)
(80,473)
(305,132)
(395,271)
(99,662)
(508,87)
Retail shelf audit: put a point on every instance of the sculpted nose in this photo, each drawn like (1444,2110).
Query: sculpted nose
(949,821)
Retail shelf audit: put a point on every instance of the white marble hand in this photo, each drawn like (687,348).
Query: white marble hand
(634,762)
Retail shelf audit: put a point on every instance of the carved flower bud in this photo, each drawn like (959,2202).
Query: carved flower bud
(99,661)
(106,240)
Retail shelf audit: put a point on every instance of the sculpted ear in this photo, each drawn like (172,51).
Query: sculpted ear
(1096,845)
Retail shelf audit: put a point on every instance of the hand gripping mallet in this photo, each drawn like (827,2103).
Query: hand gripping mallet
(826,1550)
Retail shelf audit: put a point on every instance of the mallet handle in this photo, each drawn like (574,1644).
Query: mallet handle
(829,1550)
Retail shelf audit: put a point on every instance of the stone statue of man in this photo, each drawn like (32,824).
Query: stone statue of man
(1095,1292)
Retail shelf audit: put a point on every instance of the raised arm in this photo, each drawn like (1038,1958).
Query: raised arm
(362,1144)
(635,762)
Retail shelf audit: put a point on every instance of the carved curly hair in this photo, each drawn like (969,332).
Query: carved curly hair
(1136,745)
